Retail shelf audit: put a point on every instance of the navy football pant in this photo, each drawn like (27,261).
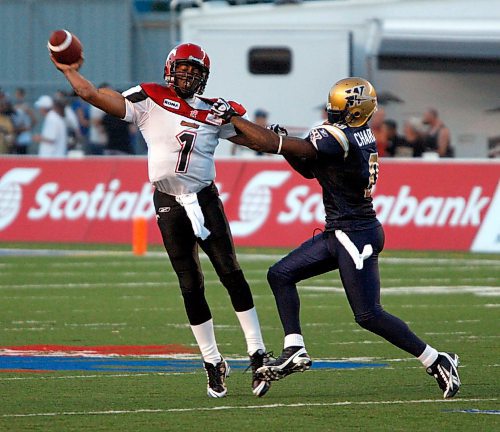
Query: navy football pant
(325,252)
(182,247)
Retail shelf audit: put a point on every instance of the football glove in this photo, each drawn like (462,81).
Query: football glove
(276,128)
(223,109)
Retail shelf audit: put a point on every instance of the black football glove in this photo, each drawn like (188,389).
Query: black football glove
(276,128)
(223,109)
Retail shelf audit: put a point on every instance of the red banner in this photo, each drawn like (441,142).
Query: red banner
(440,205)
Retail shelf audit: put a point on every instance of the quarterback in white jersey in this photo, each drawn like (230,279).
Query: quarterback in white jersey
(182,134)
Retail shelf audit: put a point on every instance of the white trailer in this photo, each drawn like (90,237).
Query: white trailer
(443,54)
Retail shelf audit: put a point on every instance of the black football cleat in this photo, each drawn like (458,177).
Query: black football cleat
(292,359)
(216,377)
(445,371)
(260,386)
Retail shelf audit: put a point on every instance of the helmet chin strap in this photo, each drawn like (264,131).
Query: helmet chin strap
(336,116)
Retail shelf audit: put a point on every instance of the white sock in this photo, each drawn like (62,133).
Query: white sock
(249,322)
(205,337)
(294,339)
(429,356)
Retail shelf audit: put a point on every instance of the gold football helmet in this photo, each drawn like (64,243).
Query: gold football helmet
(351,101)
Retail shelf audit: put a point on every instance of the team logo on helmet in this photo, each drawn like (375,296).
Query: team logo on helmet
(356,96)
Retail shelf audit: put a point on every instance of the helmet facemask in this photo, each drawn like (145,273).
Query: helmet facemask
(188,80)
(336,116)
(187,83)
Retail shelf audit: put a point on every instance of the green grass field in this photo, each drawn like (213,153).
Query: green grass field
(449,299)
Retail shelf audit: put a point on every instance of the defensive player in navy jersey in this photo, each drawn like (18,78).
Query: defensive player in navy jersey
(341,155)
(182,134)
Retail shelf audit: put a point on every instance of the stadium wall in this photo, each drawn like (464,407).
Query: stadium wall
(423,205)
(121,46)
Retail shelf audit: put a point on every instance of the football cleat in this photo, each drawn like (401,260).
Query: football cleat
(260,386)
(292,359)
(216,377)
(445,371)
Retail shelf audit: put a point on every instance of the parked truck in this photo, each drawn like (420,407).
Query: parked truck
(284,57)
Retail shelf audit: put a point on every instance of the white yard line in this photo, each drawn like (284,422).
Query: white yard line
(245,407)
(103,375)
(241,256)
(437,289)
(66,285)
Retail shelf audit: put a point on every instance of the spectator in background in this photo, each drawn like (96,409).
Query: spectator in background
(437,136)
(24,121)
(3,96)
(71,119)
(414,136)
(53,140)
(119,136)
(82,111)
(376,125)
(494,147)
(7,130)
(396,144)
(98,139)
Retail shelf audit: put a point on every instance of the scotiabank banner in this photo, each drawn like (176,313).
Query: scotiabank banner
(435,205)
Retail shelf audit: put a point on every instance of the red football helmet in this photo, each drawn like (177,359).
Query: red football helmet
(187,53)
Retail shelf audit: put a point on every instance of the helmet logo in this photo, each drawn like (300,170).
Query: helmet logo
(195,59)
(356,96)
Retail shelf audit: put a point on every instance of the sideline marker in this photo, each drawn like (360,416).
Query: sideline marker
(139,236)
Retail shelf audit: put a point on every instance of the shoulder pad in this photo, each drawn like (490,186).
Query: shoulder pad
(158,90)
(338,134)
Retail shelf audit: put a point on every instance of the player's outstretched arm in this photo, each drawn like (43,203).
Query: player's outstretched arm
(110,101)
(261,139)
(267,141)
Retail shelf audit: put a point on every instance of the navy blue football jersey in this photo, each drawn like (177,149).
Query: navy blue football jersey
(347,169)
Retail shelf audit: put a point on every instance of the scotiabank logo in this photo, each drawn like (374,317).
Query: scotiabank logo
(256,201)
(105,201)
(11,193)
(399,210)
(437,211)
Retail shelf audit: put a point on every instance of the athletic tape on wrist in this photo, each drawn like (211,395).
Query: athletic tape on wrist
(280,145)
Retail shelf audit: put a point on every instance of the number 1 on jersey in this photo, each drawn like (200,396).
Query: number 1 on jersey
(186,141)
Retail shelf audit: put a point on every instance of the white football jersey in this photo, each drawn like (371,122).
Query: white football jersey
(181,136)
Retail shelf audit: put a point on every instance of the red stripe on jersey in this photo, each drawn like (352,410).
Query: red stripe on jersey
(167,98)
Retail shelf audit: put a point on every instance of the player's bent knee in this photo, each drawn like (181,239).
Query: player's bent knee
(234,278)
(370,320)
(191,282)
(277,276)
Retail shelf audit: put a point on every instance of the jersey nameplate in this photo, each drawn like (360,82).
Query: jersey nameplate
(364,137)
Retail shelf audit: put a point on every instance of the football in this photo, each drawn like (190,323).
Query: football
(65,47)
